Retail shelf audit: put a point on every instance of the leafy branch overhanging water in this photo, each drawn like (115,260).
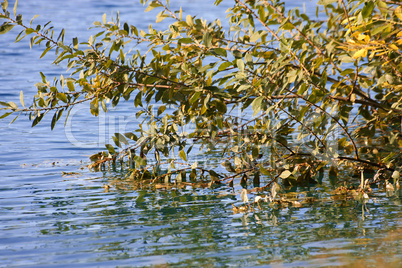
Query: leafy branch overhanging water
(282,95)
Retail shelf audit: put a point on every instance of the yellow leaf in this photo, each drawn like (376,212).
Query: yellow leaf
(160,18)
(398,12)
(361,37)
(393,47)
(209,81)
(189,20)
(399,34)
(353,98)
(285,174)
(22,99)
(399,41)
(182,155)
(360,53)
(367,38)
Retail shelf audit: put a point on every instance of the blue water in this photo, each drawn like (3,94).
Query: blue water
(53,220)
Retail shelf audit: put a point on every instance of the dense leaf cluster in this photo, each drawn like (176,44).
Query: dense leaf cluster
(280,93)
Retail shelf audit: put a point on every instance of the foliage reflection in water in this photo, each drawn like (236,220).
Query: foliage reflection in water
(78,219)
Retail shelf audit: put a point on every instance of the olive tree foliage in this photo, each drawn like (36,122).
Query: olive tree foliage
(281,94)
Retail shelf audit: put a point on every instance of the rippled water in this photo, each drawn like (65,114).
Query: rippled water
(51,219)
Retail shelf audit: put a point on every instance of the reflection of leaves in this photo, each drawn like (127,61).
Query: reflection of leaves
(71,174)
(389,187)
(274,189)
(244,196)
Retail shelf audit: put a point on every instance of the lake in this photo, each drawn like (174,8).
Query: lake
(54,212)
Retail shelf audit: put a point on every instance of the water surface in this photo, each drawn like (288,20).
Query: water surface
(50,219)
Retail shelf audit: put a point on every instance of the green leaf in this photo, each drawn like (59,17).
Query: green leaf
(161,109)
(37,120)
(131,136)
(240,65)
(185,40)
(140,161)
(346,59)
(214,175)
(61,96)
(207,39)
(195,97)
(383,7)
(29,31)
(121,138)
(264,170)
(14,119)
(224,65)
(63,46)
(122,57)
(237,54)
(134,30)
(221,106)
(182,155)
(138,99)
(4,104)
(59,113)
(34,17)
(5,27)
(70,86)
(43,77)
(326,2)
(381,29)
(219,122)
(256,179)
(220,51)
(75,42)
(255,37)
(4,5)
(94,107)
(5,115)
(110,148)
(61,36)
(45,51)
(367,9)
(116,141)
(103,104)
(54,120)
(257,105)
(249,59)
